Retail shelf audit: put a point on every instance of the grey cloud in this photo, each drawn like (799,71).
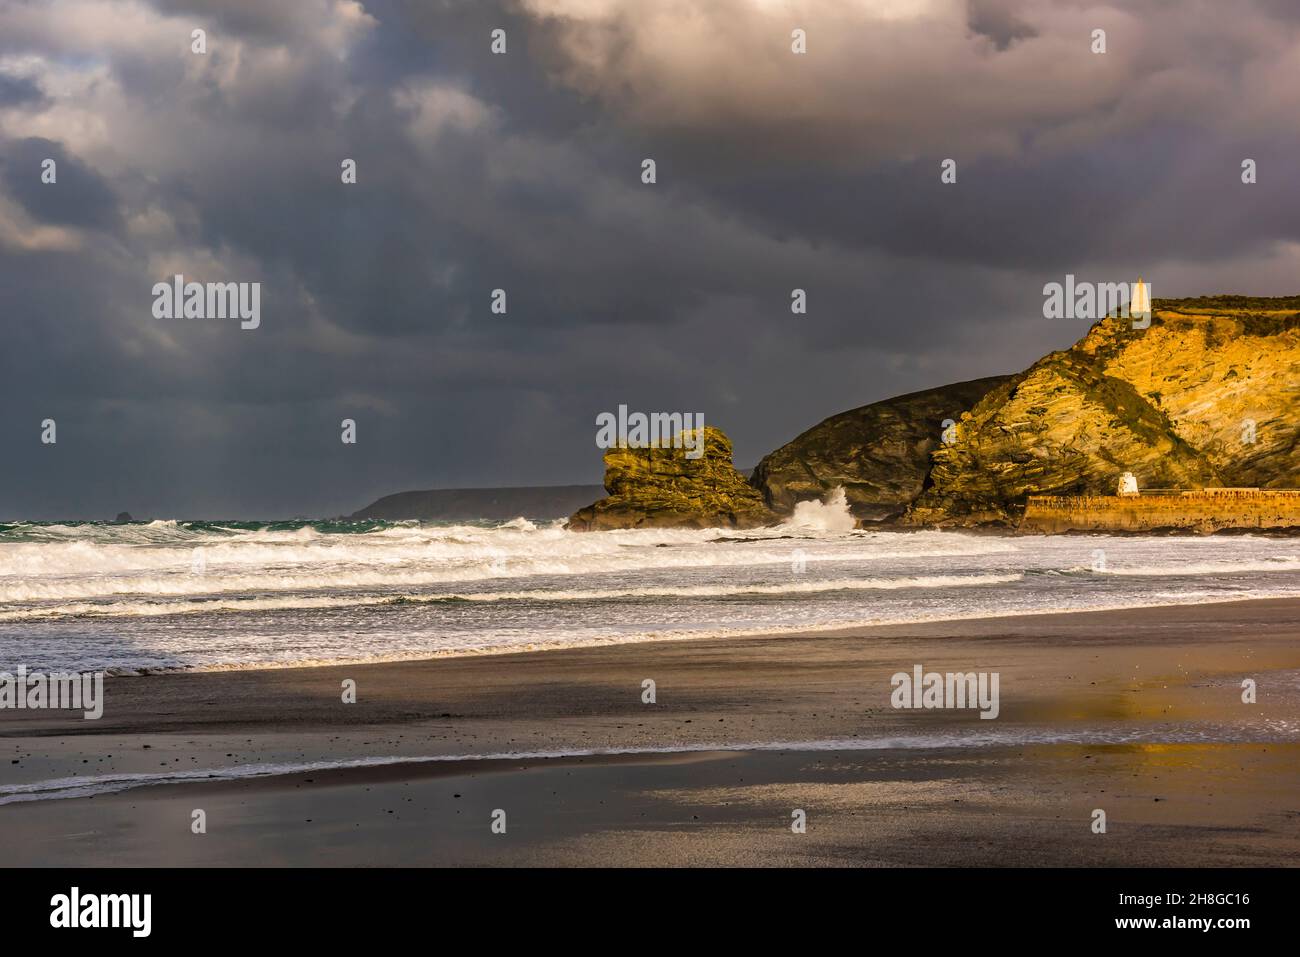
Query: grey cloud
(999,21)
(522,172)
(78,197)
(16,90)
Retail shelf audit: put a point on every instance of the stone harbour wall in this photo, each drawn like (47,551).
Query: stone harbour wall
(1206,510)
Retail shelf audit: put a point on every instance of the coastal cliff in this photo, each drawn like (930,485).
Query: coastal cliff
(662,488)
(878,453)
(1208,395)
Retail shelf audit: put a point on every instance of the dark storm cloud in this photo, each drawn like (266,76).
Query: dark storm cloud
(77,197)
(521,172)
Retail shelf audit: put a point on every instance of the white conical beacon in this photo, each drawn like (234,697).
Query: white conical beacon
(1141,302)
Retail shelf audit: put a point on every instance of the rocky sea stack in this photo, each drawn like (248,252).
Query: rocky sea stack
(662,488)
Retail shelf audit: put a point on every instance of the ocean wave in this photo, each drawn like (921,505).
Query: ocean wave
(1266,564)
(261,603)
(251,654)
(413,556)
(720,591)
(832,515)
(119,594)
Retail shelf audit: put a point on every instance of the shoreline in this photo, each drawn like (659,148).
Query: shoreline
(1136,711)
(607,679)
(666,637)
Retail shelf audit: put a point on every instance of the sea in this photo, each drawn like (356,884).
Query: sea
(211,595)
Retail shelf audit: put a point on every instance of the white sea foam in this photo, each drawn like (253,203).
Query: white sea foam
(139,608)
(251,655)
(459,548)
(126,597)
(831,515)
(1277,563)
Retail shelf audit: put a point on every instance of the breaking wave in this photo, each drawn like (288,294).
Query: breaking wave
(168,594)
(686,591)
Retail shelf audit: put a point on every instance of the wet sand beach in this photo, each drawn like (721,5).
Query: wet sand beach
(1138,713)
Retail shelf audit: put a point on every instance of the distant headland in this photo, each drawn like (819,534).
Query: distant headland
(487,504)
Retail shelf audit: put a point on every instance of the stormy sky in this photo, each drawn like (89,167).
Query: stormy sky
(522,171)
